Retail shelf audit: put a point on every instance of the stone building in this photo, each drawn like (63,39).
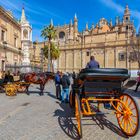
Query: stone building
(112,44)
(10,39)
(15,41)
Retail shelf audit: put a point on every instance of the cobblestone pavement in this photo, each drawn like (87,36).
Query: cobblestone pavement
(35,117)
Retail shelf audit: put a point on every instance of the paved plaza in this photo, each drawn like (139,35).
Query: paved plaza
(35,117)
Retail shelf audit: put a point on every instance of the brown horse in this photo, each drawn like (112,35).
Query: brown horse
(38,78)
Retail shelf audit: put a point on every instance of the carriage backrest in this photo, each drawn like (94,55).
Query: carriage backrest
(110,79)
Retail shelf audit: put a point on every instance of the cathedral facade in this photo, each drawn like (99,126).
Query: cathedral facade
(112,45)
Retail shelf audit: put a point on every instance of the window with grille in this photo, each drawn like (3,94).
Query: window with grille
(2,35)
(122,56)
(87,53)
(15,42)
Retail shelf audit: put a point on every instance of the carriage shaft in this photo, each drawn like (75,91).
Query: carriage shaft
(87,108)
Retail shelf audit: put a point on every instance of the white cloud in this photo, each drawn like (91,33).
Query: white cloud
(113,5)
(10,5)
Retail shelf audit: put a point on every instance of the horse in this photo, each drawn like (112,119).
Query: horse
(37,78)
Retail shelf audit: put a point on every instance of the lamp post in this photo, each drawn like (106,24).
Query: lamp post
(5,47)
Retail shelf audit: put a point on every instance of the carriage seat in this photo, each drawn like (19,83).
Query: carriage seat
(102,80)
(110,74)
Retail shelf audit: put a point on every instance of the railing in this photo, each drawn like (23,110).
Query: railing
(16,68)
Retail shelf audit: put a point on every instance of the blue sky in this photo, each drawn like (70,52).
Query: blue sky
(40,12)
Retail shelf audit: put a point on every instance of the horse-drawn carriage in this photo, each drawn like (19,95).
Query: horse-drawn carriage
(25,80)
(104,86)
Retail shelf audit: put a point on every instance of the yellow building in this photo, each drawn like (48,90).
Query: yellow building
(36,56)
(112,45)
(10,40)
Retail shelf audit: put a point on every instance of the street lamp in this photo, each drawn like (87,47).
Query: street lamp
(5,47)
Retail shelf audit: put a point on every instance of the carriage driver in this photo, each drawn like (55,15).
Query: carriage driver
(92,63)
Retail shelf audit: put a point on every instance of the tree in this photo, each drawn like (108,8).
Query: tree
(49,32)
(54,52)
(134,56)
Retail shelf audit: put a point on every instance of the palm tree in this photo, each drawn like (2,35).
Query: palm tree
(49,33)
(54,52)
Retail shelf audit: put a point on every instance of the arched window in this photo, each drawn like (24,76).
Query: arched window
(25,34)
(62,35)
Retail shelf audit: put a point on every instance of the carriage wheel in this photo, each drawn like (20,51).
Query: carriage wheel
(128,115)
(10,90)
(78,115)
(71,99)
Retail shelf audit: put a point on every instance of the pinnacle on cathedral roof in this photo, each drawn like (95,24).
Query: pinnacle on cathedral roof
(23,17)
(51,23)
(110,22)
(75,17)
(126,11)
(86,26)
(92,26)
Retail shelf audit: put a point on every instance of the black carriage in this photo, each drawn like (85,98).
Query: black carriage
(104,86)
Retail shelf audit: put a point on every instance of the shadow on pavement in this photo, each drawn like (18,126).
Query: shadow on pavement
(51,95)
(65,121)
(102,122)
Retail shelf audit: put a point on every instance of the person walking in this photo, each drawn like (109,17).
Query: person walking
(57,85)
(65,82)
(138,81)
(92,63)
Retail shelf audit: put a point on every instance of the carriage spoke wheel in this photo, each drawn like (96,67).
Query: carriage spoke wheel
(78,115)
(71,99)
(128,115)
(10,90)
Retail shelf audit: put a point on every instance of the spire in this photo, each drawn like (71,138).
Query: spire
(126,11)
(75,17)
(97,26)
(23,17)
(86,26)
(92,26)
(117,20)
(51,23)
(126,16)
